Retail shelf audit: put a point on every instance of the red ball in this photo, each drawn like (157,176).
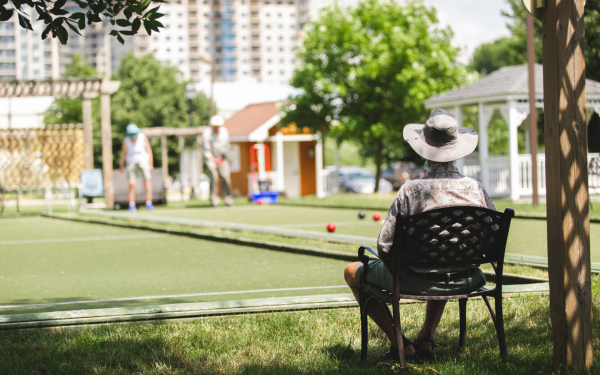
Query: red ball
(259,202)
(331,227)
(376,216)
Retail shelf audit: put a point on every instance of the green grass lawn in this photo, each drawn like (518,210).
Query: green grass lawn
(306,342)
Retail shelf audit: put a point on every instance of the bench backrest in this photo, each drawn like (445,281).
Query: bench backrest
(451,237)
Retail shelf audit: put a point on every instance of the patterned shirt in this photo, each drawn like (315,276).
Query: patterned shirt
(442,186)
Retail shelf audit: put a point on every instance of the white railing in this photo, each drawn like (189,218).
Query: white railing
(498,172)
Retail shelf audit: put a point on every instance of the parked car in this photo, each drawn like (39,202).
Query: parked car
(402,172)
(361,180)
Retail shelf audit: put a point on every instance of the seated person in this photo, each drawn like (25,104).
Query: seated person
(440,141)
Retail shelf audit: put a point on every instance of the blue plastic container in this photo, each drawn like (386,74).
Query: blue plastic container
(266,197)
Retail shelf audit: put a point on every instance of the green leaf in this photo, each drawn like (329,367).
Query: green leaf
(62,34)
(148,27)
(76,16)
(59,4)
(81,23)
(151,11)
(58,12)
(24,22)
(123,23)
(113,32)
(143,5)
(127,32)
(46,31)
(155,16)
(128,12)
(120,39)
(73,28)
(5,14)
(135,26)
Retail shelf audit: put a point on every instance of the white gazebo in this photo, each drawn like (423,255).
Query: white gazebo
(507,91)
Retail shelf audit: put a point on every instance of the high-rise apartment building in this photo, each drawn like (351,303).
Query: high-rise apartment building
(242,39)
(245,38)
(23,53)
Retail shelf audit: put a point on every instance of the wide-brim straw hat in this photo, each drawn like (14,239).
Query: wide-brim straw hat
(440,139)
(217,121)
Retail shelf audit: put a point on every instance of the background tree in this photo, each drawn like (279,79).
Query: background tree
(370,67)
(57,17)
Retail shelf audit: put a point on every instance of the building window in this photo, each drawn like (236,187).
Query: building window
(256,71)
(270,72)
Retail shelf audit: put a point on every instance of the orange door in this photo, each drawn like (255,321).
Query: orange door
(308,169)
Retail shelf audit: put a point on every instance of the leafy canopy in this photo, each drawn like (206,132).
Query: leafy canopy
(366,71)
(57,17)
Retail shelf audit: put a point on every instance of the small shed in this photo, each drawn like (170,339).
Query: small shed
(296,154)
(505,90)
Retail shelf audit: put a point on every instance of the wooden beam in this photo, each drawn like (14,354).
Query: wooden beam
(107,156)
(164,157)
(88,145)
(567,185)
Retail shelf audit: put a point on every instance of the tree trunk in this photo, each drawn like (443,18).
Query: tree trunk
(378,162)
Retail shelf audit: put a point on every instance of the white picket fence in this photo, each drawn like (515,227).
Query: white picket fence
(498,171)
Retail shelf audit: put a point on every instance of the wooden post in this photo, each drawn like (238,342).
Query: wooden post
(533,144)
(88,146)
(164,157)
(567,185)
(107,88)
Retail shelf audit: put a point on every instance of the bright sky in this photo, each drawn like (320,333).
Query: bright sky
(473,21)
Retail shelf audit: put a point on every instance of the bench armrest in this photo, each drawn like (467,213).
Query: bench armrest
(364,259)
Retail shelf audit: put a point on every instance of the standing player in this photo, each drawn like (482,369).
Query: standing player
(215,143)
(138,155)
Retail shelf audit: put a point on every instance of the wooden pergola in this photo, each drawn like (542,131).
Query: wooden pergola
(87,89)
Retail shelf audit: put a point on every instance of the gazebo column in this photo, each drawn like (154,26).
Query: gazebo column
(484,118)
(514,118)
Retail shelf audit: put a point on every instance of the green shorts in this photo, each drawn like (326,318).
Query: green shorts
(135,169)
(412,283)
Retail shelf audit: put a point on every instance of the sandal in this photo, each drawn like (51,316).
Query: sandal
(425,355)
(392,354)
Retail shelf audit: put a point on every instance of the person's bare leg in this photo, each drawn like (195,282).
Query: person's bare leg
(148,187)
(433,315)
(376,310)
(132,192)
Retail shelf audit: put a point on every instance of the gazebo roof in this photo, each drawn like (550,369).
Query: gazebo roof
(502,84)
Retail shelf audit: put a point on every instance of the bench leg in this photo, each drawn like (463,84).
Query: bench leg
(462,306)
(364,325)
(500,328)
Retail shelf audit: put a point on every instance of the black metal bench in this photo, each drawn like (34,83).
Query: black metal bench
(442,238)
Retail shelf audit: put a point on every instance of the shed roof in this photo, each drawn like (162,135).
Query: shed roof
(251,118)
(506,81)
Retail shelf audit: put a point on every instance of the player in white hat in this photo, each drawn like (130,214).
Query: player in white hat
(216,146)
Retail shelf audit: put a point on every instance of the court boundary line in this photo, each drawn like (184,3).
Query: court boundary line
(186,311)
(170,296)
(82,239)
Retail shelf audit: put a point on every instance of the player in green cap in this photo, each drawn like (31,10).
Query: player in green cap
(138,155)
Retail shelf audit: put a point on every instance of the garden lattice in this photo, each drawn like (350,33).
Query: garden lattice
(36,158)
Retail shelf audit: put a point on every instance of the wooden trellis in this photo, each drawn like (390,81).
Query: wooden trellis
(36,158)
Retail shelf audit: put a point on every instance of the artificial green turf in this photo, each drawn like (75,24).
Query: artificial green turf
(153,265)
(526,236)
